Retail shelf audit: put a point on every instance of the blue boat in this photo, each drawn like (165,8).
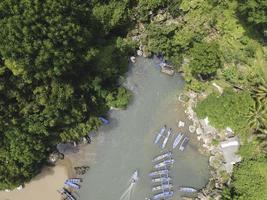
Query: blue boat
(164,195)
(163,156)
(75,180)
(73,185)
(184,143)
(177,140)
(162,130)
(166,138)
(103,120)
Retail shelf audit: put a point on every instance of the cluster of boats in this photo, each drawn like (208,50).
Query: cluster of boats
(160,177)
(71,183)
(179,138)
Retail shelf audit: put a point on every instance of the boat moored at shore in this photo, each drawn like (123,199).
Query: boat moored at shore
(161,179)
(187,189)
(184,144)
(164,195)
(162,130)
(162,187)
(164,163)
(160,172)
(162,156)
(177,140)
(166,138)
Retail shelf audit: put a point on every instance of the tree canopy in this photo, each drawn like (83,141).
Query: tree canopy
(59,67)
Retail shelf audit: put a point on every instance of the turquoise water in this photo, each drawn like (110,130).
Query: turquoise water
(127,143)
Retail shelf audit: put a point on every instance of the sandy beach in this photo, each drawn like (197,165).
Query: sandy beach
(44,186)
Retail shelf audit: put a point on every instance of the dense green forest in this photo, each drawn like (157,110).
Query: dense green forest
(61,63)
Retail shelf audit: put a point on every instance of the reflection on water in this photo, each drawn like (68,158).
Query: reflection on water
(127,143)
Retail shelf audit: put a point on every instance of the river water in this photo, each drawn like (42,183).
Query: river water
(126,144)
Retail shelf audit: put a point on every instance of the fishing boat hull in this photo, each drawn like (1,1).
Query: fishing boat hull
(163,195)
(177,140)
(161,157)
(162,130)
(135,177)
(187,189)
(166,139)
(160,172)
(162,179)
(164,164)
(184,144)
(162,187)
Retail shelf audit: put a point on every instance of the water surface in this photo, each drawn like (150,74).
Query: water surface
(127,143)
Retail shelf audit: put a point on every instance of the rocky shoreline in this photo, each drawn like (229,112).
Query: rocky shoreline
(221,160)
(213,142)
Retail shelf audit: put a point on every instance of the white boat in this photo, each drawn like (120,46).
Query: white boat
(184,143)
(166,138)
(187,189)
(161,179)
(162,130)
(160,157)
(160,172)
(164,163)
(134,177)
(162,187)
(163,195)
(177,140)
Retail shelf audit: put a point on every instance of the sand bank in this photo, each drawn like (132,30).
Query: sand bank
(44,186)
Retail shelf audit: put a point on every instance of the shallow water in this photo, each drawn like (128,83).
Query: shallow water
(127,143)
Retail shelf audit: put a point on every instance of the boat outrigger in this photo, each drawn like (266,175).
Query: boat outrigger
(163,195)
(177,140)
(166,138)
(161,179)
(161,157)
(184,143)
(159,173)
(187,189)
(164,163)
(162,187)
(162,130)
(134,177)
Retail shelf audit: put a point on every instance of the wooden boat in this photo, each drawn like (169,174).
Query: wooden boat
(162,195)
(166,138)
(164,163)
(162,130)
(161,157)
(162,187)
(177,140)
(184,143)
(160,172)
(187,189)
(161,179)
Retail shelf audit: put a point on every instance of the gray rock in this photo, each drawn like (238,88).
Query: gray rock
(139,52)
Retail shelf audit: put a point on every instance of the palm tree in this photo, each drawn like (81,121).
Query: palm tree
(257,117)
(260,92)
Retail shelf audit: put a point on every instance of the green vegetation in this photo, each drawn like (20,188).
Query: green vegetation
(60,62)
(254,12)
(205,59)
(227,110)
(220,42)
